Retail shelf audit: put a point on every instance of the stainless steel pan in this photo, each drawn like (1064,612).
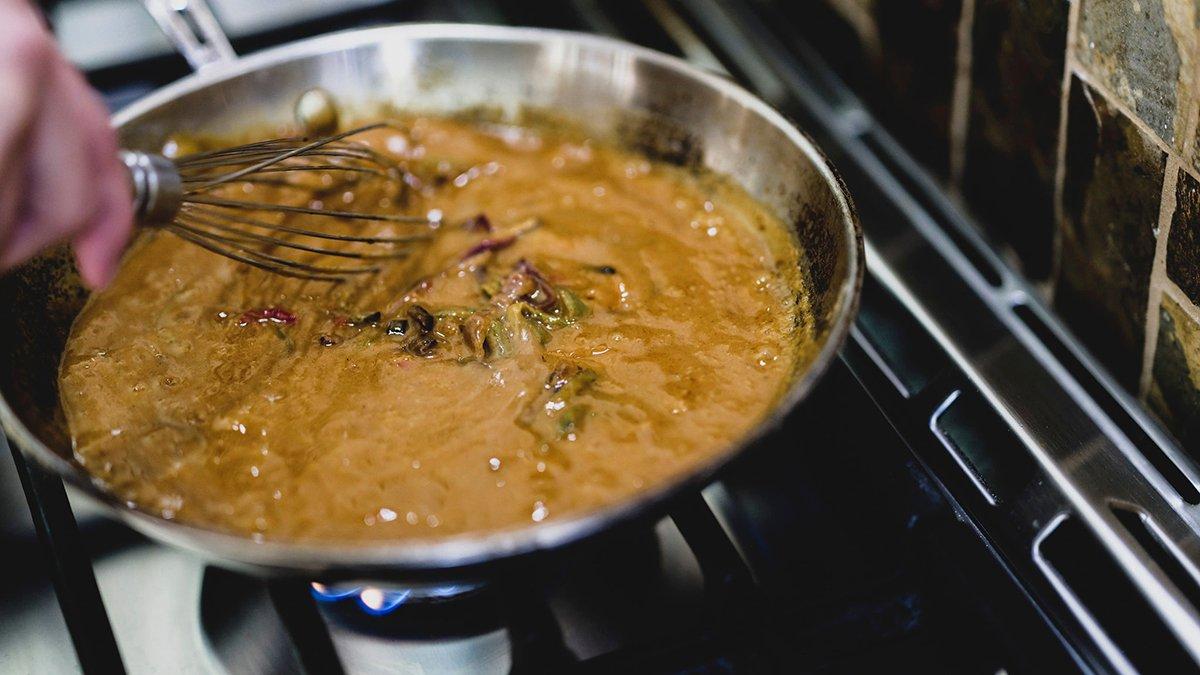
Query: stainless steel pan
(655,103)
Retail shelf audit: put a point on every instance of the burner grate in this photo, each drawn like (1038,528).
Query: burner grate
(70,568)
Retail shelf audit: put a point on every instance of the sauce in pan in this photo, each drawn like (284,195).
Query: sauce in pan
(583,324)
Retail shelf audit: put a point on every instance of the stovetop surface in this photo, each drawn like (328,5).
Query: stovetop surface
(828,548)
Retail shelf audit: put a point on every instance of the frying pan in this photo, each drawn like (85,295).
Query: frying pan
(653,103)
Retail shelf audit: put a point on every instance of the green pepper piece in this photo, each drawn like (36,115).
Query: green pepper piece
(573,307)
(571,419)
(496,343)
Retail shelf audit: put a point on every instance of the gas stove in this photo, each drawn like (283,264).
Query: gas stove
(964,492)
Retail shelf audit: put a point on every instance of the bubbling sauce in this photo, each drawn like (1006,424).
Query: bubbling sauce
(582,325)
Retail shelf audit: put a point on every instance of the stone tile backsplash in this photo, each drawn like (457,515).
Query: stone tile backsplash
(1069,129)
(1012,126)
(1110,202)
(1183,240)
(901,53)
(1141,52)
(921,33)
(1174,388)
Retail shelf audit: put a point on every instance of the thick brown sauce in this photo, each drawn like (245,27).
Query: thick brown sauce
(185,402)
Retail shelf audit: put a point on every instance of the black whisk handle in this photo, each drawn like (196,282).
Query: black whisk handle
(156,186)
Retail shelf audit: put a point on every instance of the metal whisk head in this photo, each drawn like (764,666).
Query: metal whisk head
(182,197)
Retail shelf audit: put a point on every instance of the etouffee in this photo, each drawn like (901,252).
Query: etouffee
(582,325)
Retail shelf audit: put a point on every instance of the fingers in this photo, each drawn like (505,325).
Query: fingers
(101,240)
(26,53)
(60,178)
(98,247)
(59,192)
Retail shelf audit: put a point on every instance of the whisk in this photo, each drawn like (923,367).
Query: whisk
(178,196)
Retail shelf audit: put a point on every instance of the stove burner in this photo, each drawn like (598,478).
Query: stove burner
(380,601)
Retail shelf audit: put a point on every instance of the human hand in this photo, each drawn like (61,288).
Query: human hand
(60,177)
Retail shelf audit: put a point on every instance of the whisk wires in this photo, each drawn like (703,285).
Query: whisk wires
(238,230)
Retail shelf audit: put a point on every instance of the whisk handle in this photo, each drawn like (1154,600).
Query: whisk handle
(156,186)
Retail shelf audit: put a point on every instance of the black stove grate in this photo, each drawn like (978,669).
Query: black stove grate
(70,569)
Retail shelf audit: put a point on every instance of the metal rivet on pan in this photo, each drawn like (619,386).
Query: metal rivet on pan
(316,111)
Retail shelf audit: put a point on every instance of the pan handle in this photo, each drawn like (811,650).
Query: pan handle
(193,30)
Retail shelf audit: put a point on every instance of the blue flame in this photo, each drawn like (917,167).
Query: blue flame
(377,601)
(325,593)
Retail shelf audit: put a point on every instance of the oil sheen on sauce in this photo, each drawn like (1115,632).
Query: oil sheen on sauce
(584,324)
